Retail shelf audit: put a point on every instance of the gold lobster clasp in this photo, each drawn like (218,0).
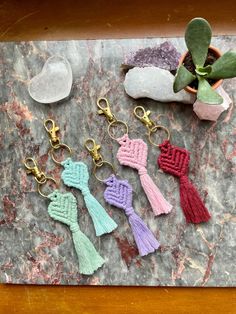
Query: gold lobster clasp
(93,150)
(32,168)
(98,160)
(106,110)
(143,115)
(52,130)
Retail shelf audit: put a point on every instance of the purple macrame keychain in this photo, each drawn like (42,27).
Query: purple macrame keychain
(118,193)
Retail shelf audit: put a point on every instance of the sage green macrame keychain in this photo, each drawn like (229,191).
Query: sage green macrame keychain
(75,174)
(63,208)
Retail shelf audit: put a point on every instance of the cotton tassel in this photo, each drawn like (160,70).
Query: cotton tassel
(103,223)
(63,208)
(144,238)
(158,203)
(133,153)
(76,175)
(175,160)
(191,203)
(119,193)
(89,259)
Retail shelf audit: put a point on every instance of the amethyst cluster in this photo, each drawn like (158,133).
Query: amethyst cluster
(164,56)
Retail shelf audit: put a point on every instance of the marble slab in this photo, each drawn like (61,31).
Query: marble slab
(34,249)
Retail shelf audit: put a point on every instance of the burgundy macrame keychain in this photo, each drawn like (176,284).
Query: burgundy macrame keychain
(133,153)
(175,161)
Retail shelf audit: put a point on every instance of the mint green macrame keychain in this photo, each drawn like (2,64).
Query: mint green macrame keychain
(63,208)
(75,174)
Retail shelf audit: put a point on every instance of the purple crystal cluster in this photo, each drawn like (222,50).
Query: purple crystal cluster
(164,56)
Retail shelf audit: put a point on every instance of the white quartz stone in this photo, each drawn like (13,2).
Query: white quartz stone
(53,83)
(154,83)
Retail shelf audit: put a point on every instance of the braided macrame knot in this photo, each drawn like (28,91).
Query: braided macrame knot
(63,208)
(85,191)
(175,160)
(142,171)
(133,153)
(119,193)
(183,179)
(129,211)
(74,227)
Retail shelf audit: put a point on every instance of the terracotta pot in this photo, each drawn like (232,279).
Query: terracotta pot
(214,86)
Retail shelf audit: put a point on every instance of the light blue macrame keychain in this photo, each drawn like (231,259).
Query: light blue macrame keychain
(75,174)
(63,208)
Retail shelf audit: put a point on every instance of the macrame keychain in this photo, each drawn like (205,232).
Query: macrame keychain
(63,208)
(75,174)
(133,153)
(175,160)
(119,194)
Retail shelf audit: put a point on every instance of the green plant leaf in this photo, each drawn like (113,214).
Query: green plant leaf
(206,94)
(224,67)
(198,38)
(203,71)
(182,79)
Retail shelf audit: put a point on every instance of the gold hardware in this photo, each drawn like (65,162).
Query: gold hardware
(56,147)
(39,186)
(115,123)
(144,117)
(98,160)
(32,168)
(153,130)
(112,120)
(106,110)
(52,131)
(55,141)
(93,150)
(97,166)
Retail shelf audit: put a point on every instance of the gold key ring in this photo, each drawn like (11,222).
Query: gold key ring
(59,146)
(98,166)
(153,130)
(41,184)
(113,124)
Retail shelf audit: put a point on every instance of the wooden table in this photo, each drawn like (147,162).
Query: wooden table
(40,20)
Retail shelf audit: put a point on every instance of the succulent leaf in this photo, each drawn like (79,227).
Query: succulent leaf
(224,67)
(198,38)
(206,94)
(183,78)
(203,71)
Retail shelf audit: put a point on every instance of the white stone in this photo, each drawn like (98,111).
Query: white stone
(154,83)
(53,83)
(205,111)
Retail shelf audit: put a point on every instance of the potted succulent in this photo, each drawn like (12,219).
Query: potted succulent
(202,68)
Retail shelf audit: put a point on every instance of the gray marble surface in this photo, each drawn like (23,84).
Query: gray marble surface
(34,249)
